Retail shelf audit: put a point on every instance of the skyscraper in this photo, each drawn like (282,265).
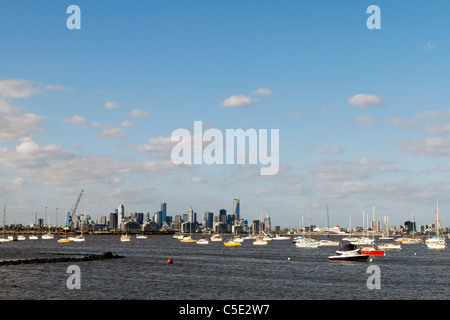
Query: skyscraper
(236,210)
(164,212)
(120,216)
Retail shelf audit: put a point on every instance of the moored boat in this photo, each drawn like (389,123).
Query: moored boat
(373,250)
(232,243)
(260,242)
(202,241)
(307,243)
(349,252)
(328,243)
(390,246)
(188,240)
(125,238)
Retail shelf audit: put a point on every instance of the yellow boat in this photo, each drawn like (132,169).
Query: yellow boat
(188,239)
(232,244)
(63,240)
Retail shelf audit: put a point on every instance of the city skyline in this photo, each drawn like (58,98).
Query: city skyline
(362,114)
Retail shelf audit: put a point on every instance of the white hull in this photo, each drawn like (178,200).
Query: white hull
(202,241)
(328,243)
(125,238)
(77,239)
(307,243)
(389,246)
(260,243)
(47,236)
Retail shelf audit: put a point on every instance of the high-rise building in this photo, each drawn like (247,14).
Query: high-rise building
(236,210)
(223,216)
(164,211)
(120,216)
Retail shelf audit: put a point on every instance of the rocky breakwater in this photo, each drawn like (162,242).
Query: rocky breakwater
(90,257)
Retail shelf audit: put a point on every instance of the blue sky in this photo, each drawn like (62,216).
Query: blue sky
(362,113)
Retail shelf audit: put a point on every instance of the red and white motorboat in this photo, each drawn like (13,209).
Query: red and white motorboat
(373,250)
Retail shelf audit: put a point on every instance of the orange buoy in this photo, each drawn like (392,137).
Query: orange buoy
(131,243)
(169,261)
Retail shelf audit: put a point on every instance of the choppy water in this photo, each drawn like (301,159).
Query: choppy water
(216,272)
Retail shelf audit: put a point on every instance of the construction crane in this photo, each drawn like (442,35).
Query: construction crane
(72,211)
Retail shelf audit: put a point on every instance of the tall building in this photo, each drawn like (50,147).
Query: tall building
(164,211)
(236,210)
(190,215)
(120,216)
(223,216)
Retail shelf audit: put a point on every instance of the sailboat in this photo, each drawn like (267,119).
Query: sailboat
(48,235)
(125,237)
(307,242)
(188,239)
(232,243)
(327,242)
(373,249)
(78,238)
(362,241)
(4,239)
(436,242)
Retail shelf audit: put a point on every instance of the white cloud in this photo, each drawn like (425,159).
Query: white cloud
(430,147)
(159,147)
(113,133)
(21,88)
(29,154)
(364,120)
(17,88)
(111,105)
(363,100)
(17,124)
(194,180)
(137,113)
(238,101)
(262,92)
(430,46)
(127,123)
(76,119)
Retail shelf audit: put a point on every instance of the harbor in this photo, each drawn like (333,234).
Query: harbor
(276,271)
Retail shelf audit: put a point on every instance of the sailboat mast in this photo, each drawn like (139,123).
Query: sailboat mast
(437,218)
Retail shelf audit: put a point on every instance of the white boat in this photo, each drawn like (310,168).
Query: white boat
(47,236)
(12,238)
(33,237)
(390,246)
(307,243)
(412,241)
(125,238)
(238,239)
(79,238)
(202,241)
(328,243)
(216,238)
(437,245)
(141,236)
(363,241)
(436,242)
(260,242)
(21,237)
(349,252)
(278,237)
(4,239)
